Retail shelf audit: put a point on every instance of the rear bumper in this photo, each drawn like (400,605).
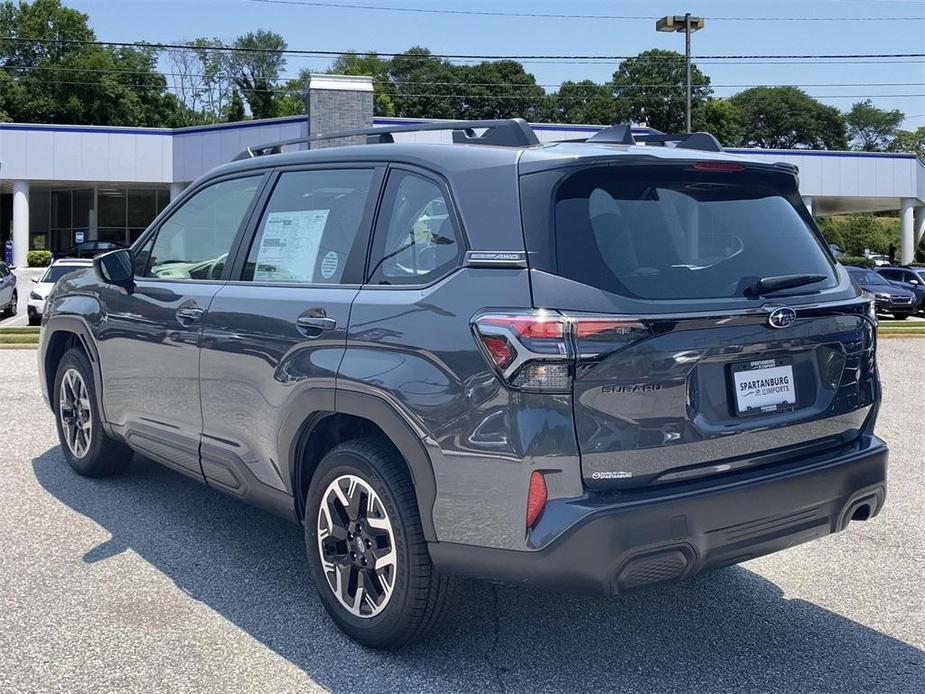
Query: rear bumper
(612,548)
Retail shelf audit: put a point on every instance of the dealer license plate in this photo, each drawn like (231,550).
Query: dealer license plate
(763,386)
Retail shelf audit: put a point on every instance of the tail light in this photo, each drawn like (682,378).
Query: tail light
(537,350)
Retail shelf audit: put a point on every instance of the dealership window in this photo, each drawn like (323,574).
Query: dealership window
(61,217)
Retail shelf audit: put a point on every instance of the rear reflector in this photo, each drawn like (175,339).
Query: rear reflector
(536,497)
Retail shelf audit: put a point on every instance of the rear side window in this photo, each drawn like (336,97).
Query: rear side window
(679,233)
(416,240)
(311,229)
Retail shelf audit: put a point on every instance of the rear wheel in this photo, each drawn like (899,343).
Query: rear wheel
(86,446)
(900,316)
(367,552)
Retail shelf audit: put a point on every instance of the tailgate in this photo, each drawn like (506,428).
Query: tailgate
(708,395)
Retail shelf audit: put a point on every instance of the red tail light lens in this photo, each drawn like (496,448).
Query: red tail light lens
(536,497)
(538,350)
(499,349)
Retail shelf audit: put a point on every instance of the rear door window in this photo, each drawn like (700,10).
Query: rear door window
(312,229)
(670,232)
(416,240)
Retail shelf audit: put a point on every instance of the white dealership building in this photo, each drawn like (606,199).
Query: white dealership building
(60,184)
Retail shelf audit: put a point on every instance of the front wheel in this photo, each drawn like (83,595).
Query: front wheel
(14,303)
(900,316)
(366,549)
(86,446)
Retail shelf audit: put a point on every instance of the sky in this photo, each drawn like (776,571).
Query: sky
(733,27)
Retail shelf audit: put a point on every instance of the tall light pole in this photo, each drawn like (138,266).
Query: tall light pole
(688,25)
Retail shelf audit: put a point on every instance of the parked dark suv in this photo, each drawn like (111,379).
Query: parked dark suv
(587,366)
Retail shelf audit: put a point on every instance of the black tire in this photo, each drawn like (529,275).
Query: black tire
(10,310)
(35,320)
(104,456)
(901,316)
(420,597)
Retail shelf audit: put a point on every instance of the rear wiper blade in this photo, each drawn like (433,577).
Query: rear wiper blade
(766,285)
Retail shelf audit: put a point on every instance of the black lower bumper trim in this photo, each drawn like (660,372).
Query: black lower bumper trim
(624,546)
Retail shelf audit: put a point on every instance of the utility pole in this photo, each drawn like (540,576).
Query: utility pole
(687,24)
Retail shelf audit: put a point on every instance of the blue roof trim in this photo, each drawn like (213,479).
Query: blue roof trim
(560,127)
(94,129)
(241,125)
(819,153)
(169,132)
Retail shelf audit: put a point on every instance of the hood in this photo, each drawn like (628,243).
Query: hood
(891,289)
(43,288)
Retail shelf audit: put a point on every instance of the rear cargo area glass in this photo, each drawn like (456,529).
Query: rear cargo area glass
(675,232)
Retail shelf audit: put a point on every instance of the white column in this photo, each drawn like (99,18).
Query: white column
(175,190)
(918,226)
(20,222)
(808,201)
(906,232)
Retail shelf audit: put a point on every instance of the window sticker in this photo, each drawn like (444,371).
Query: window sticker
(329,265)
(289,246)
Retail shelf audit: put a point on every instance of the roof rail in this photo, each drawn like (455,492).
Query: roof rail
(622,134)
(512,132)
(702,141)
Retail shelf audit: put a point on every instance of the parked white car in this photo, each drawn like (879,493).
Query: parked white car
(43,285)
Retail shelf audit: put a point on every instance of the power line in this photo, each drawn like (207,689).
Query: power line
(225,76)
(551,15)
(166,87)
(458,56)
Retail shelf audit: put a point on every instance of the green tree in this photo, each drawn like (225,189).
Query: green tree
(652,89)
(57,79)
(583,102)
(856,233)
(497,89)
(872,129)
(910,141)
(372,65)
(424,86)
(787,118)
(234,111)
(721,118)
(256,66)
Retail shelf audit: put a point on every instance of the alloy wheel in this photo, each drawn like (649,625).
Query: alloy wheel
(357,546)
(76,415)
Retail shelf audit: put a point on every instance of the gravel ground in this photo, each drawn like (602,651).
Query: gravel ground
(150,582)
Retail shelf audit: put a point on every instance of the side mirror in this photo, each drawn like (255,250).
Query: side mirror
(116,268)
(35,280)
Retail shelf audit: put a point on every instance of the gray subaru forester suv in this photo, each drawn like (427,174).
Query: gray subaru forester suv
(586,366)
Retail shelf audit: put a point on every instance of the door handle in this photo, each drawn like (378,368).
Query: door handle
(187,315)
(314,322)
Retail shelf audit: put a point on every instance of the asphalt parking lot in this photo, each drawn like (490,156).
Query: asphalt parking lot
(150,582)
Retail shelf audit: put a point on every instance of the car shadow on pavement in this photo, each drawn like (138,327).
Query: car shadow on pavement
(728,630)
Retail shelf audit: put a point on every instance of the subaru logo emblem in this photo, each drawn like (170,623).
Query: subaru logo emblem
(782,317)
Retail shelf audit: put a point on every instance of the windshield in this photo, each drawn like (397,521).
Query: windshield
(56,272)
(658,232)
(866,277)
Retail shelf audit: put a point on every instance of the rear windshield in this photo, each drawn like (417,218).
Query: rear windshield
(56,272)
(867,277)
(679,233)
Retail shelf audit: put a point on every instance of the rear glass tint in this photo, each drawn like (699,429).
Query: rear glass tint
(679,233)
